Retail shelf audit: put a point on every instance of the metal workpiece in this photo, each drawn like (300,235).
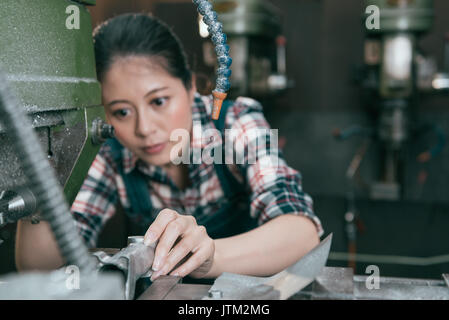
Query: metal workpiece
(218,38)
(133,262)
(280,286)
(334,283)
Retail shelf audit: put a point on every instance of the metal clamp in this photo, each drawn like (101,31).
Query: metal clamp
(133,262)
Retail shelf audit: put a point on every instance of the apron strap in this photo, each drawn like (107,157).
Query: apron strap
(135,184)
(231,186)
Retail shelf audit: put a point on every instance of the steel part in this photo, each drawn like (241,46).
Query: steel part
(62,284)
(134,262)
(107,251)
(279,286)
(42,180)
(335,283)
(101,131)
(135,239)
(160,288)
(15,205)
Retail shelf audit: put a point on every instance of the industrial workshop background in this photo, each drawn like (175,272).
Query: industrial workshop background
(402,228)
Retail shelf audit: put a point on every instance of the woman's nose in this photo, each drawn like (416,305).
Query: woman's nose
(144,125)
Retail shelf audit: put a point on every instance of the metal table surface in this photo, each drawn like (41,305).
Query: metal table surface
(332,284)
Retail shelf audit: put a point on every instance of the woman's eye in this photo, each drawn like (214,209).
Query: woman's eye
(159,101)
(121,113)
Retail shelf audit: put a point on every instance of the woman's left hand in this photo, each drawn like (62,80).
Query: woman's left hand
(182,244)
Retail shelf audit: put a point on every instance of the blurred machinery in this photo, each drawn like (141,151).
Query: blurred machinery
(52,69)
(254,35)
(395,73)
(394,76)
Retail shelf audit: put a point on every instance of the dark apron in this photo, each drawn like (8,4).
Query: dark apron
(232,217)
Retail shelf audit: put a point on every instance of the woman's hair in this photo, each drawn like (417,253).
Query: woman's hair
(140,35)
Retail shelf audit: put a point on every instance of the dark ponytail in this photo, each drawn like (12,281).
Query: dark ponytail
(140,35)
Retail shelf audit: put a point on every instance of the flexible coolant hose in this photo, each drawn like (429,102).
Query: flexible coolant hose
(218,38)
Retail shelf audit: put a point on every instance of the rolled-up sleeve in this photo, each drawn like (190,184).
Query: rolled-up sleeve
(96,200)
(276,188)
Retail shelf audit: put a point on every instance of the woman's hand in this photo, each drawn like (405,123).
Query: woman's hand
(184,248)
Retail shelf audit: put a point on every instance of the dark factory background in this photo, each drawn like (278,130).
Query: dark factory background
(406,236)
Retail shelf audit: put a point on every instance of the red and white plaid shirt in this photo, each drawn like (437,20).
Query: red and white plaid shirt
(275,189)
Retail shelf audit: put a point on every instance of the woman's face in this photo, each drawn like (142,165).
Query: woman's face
(144,104)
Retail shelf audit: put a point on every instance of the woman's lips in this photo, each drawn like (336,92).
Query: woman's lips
(154,149)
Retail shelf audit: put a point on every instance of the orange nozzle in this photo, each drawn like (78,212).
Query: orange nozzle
(219,97)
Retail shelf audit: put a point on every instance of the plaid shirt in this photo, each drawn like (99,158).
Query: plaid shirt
(274,189)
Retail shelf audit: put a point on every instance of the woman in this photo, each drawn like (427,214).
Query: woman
(206,218)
